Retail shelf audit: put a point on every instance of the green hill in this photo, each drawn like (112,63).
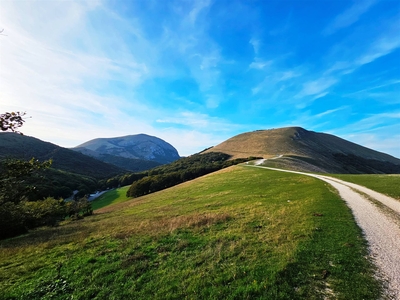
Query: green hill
(70,170)
(239,233)
(14,145)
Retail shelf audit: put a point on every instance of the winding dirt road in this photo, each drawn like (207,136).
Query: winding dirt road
(379,218)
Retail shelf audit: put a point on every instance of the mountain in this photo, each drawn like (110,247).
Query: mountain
(14,145)
(303,150)
(139,147)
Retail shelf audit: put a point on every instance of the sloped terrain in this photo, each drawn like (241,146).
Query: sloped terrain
(299,149)
(13,145)
(140,146)
(130,164)
(240,233)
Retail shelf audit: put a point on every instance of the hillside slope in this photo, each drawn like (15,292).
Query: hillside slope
(300,149)
(13,145)
(240,233)
(140,146)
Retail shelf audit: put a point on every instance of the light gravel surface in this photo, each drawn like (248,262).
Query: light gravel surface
(379,223)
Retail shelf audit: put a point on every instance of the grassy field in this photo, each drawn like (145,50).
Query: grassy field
(385,184)
(240,233)
(111,197)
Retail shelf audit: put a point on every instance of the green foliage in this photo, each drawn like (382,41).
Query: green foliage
(44,212)
(121,180)
(78,209)
(12,219)
(21,191)
(13,176)
(18,187)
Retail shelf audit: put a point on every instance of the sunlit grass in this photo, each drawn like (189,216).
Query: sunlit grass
(111,197)
(241,233)
(388,184)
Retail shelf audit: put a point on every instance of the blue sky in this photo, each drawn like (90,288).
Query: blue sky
(198,72)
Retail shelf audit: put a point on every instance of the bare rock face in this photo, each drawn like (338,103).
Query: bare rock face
(140,146)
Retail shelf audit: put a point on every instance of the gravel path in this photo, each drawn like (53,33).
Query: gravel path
(380,224)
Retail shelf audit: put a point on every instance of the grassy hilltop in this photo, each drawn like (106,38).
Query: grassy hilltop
(296,148)
(240,233)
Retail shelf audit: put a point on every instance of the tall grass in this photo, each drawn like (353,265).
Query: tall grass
(241,233)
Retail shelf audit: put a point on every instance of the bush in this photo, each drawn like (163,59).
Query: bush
(44,212)
(12,220)
(77,209)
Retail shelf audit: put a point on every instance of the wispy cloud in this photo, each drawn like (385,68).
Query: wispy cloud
(372,122)
(197,120)
(196,10)
(349,16)
(385,44)
(330,111)
(255,43)
(260,64)
(317,87)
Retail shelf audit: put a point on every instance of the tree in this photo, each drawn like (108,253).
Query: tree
(11,121)
(17,212)
(13,176)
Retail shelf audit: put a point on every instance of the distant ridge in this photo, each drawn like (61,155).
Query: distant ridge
(13,145)
(299,149)
(139,147)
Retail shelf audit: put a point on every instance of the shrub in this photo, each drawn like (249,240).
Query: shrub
(44,212)
(12,220)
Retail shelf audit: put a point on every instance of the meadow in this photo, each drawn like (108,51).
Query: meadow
(385,184)
(111,197)
(239,233)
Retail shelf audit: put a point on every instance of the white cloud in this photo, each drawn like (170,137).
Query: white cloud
(256,45)
(260,64)
(286,75)
(198,7)
(381,47)
(188,142)
(328,112)
(317,87)
(197,120)
(349,16)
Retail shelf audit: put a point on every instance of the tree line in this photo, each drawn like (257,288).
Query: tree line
(180,171)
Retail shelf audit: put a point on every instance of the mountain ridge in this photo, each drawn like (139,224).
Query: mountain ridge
(304,150)
(18,146)
(139,146)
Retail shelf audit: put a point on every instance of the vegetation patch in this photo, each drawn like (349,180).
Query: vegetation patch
(240,233)
(382,183)
(111,197)
(182,170)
